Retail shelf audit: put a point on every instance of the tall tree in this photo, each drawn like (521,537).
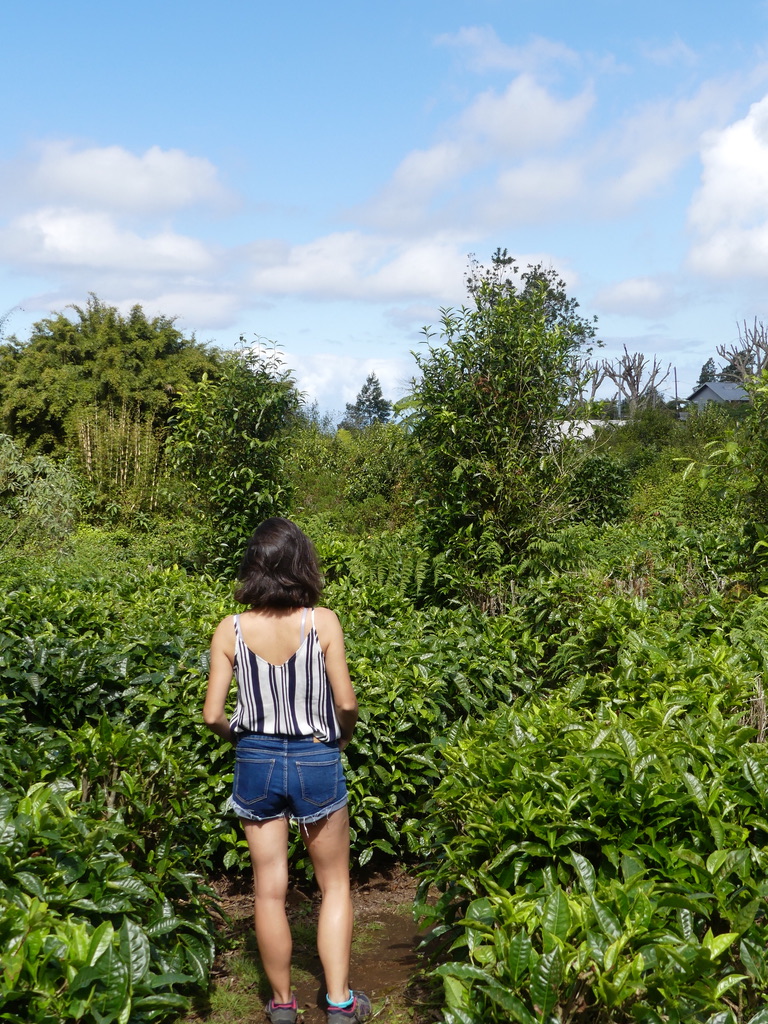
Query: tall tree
(229,442)
(370,407)
(708,373)
(483,412)
(749,357)
(96,359)
(637,381)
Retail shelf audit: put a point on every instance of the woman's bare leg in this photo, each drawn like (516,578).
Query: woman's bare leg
(268,846)
(327,843)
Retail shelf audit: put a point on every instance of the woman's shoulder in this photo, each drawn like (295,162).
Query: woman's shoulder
(326,614)
(326,620)
(226,626)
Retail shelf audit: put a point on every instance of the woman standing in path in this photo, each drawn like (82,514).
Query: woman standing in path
(296,711)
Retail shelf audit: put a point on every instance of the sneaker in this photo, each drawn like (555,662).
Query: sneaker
(281,1013)
(359,1009)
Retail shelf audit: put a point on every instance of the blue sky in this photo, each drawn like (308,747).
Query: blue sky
(317,174)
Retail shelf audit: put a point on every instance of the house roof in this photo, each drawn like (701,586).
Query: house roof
(725,390)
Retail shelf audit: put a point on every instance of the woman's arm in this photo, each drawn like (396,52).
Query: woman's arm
(344,699)
(220,678)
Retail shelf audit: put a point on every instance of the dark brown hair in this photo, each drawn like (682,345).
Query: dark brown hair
(280,568)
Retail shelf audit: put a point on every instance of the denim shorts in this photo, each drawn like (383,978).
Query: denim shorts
(277,777)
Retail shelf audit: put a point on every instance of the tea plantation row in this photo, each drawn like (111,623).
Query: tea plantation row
(579,776)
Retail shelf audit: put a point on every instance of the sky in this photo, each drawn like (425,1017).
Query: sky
(317,175)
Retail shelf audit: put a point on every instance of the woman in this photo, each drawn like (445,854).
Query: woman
(296,711)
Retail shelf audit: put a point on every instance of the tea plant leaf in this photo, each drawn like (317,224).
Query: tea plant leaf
(101,940)
(607,921)
(715,861)
(508,1001)
(717,944)
(546,977)
(482,911)
(754,774)
(556,917)
(727,983)
(519,955)
(631,866)
(584,870)
(134,948)
(753,957)
(697,791)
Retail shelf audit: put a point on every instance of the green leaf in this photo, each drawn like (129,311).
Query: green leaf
(584,870)
(100,941)
(134,949)
(696,788)
(481,910)
(557,915)
(607,921)
(508,1001)
(519,955)
(716,860)
(546,978)
(718,944)
(631,866)
(753,957)
(754,774)
(727,983)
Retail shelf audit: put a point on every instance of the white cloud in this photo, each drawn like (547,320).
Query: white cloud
(486,52)
(638,296)
(673,54)
(60,237)
(641,155)
(352,265)
(214,308)
(729,212)
(112,178)
(524,118)
(494,130)
(536,190)
(422,172)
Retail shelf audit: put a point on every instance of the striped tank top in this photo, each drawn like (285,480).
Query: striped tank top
(292,699)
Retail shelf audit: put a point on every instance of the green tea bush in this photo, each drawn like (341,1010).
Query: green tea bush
(86,935)
(532,759)
(600,489)
(358,481)
(605,866)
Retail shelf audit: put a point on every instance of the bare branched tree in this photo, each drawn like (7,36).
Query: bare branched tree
(596,376)
(749,357)
(634,379)
(584,379)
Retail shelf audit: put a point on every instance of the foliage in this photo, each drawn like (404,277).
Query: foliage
(493,469)
(735,471)
(87,934)
(602,855)
(102,359)
(708,373)
(39,500)
(229,443)
(361,481)
(600,488)
(120,456)
(577,773)
(369,407)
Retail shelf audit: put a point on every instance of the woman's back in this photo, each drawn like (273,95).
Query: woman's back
(275,635)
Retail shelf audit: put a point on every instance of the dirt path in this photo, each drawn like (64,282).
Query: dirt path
(385,962)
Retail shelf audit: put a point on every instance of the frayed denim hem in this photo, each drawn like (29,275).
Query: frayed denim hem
(307,819)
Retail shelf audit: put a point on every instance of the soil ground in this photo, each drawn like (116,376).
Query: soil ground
(385,962)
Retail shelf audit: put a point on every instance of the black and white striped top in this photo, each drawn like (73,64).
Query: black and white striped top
(292,699)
